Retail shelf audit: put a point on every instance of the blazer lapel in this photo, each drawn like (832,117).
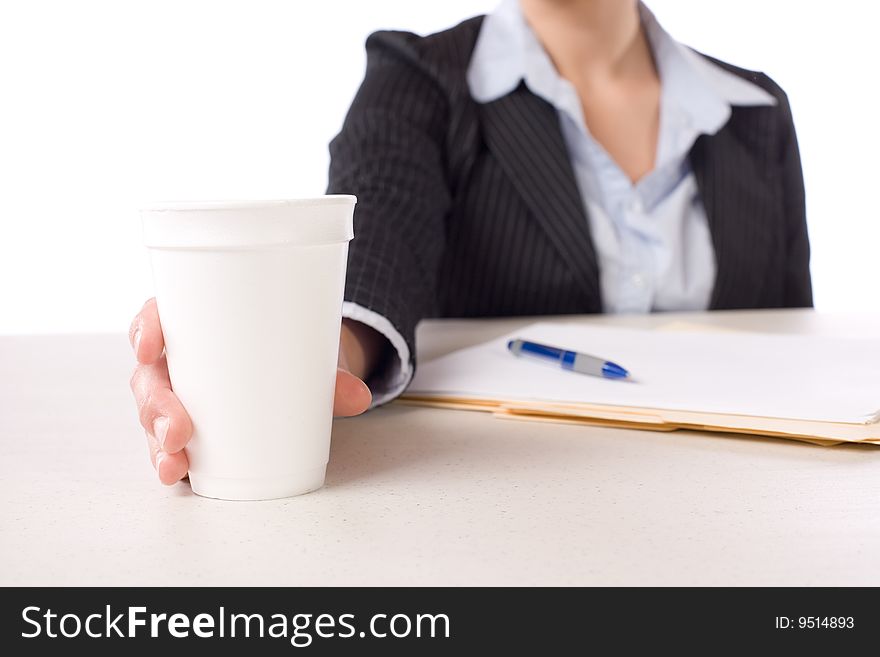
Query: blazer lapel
(739,199)
(523,132)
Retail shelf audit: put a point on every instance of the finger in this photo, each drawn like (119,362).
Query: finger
(353,396)
(160,411)
(145,334)
(171,468)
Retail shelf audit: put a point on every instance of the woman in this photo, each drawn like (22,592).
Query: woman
(557,156)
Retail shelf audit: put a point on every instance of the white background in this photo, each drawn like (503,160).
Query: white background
(107,104)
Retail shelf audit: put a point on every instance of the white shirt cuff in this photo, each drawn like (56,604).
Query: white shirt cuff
(396,376)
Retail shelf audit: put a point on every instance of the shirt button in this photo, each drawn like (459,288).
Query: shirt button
(638,280)
(635,205)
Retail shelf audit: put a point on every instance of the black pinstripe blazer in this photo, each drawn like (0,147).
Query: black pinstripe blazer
(470,210)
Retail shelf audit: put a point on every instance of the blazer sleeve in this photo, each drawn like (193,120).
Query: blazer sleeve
(798,284)
(390,154)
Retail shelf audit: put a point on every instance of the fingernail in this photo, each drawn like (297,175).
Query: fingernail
(160,456)
(137,340)
(160,429)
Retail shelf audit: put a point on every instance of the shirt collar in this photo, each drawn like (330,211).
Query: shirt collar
(699,92)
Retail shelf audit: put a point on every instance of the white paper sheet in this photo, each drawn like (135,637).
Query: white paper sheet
(780,376)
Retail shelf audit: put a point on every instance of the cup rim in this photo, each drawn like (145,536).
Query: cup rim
(195,206)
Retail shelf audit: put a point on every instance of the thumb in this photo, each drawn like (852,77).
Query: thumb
(353,396)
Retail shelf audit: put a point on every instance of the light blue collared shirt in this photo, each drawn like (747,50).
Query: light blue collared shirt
(652,238)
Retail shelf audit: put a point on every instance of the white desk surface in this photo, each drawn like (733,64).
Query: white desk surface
(421,497)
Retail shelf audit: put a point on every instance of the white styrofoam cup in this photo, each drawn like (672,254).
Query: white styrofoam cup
(250,298)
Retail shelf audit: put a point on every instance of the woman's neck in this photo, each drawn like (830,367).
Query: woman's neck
(591,38)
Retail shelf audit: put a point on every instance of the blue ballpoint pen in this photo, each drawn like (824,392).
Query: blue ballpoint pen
(569,360)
